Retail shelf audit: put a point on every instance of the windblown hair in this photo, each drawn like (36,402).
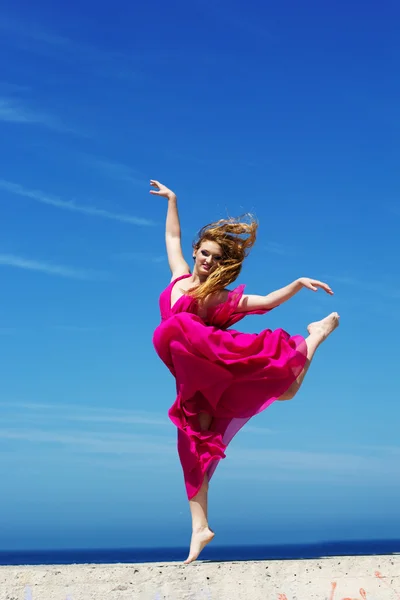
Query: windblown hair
(236,237)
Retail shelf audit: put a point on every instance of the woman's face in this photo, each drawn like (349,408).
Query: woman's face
(207,257)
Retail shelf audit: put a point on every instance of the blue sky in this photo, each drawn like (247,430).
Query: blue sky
(286,110)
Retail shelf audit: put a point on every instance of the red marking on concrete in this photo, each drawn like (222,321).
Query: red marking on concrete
(363,593)
(333,584)
(383,579)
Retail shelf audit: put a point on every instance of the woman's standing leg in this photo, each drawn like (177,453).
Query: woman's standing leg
(201,532)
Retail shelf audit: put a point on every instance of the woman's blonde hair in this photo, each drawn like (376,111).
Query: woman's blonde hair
(236,237)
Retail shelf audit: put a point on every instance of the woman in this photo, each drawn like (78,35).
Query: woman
(223,377)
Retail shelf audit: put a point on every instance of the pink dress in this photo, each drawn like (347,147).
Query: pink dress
(226,373)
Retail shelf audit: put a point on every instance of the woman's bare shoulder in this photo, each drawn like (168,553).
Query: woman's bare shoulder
(218,298)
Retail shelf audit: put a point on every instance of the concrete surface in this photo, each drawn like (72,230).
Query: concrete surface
(341,578)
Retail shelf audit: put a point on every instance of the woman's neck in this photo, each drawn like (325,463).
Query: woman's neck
(198,279)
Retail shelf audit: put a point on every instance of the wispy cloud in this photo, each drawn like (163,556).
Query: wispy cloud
(258,430)
(18,30)
(381,288)
(349,280)
(239,21)
(79,412)
(115,170)
(101,431)
(38,330)
(103,443)
(339,465)
(392,450)
(140,257)
(10,260)
(32,37)
(87,431)
(278,248)
(14,112)
(8,87)
(39,196)
(77,328)
(219,161)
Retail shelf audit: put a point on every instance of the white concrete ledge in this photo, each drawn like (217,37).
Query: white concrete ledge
(339,578)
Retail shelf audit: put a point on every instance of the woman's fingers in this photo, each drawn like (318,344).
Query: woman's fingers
(157,184)
(324,286)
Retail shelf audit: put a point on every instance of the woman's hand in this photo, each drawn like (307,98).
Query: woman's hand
(162,190)
(314,284)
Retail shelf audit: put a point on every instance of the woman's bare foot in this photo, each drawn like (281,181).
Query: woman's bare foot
(324,327)
(200,539)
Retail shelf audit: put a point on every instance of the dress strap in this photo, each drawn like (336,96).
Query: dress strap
(178,278)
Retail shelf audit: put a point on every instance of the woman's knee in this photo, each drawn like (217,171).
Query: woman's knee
(286,397)
(205,420)
(290,394)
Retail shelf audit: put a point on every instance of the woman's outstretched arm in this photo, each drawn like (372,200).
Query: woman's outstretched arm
(176,260)
(274,299)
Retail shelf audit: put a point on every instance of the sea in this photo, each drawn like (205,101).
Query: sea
(209,554)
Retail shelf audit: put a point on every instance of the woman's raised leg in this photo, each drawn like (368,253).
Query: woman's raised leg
(318,331)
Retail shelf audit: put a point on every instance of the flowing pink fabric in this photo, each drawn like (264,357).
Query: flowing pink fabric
(226,373)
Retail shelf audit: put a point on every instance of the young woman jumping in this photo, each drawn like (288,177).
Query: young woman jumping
(223,376)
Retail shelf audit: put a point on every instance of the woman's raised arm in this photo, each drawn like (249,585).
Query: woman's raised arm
(176,260)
